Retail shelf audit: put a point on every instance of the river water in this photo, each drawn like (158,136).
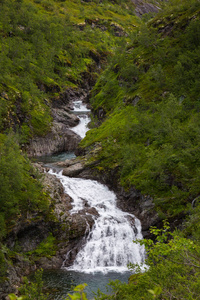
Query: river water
(109,246)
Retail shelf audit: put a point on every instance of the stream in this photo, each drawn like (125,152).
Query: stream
(109,247)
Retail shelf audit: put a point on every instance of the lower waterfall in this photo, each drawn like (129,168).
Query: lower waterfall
(109,246)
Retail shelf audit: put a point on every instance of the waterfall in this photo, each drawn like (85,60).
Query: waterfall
(109,245)
(81,110)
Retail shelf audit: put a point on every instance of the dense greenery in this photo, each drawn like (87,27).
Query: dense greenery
(46,46)
(21,193)
(147,103)
(149,95)
(20,189)
(31,290)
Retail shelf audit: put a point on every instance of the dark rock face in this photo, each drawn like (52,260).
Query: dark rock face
(70,232)
(144,8)
(67,97)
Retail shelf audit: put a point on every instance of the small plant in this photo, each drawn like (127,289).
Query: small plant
(79,293)
(31,290)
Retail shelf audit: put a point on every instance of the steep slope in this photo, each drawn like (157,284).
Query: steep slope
(147,101)
(47,47)
(50,52)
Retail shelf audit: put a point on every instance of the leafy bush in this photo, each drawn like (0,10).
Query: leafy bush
(20,189)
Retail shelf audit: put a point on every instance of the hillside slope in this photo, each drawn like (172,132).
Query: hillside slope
(147,101)
(49,50)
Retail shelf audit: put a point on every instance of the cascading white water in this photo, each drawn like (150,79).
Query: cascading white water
(109,246)
(82,111)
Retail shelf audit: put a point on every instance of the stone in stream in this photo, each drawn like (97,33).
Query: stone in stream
(74,170)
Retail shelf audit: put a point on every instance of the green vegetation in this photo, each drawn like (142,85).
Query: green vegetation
(46,248)
(173,270)
(145,102)
(31,290)
(20,190)
(47,46)
(149,95)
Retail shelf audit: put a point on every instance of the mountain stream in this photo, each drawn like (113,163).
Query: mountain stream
(109,247)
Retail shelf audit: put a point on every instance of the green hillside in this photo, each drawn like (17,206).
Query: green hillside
(46,47)
(149,101)
(145,120)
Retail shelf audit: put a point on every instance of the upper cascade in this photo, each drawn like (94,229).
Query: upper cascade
(82,111)
(109,246)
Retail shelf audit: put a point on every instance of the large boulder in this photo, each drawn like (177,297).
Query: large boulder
(59,139)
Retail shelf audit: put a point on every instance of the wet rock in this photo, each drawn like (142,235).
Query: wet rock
(68,162)
(90,210)
(80,224)
(74,170)
(67,97)
(60,200)
(65,117)
(131,201)
(49,263)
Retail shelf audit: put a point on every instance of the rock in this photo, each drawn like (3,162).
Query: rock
(49,263)
(68,162)
(132,201)
(73,170)
(143,7)
(67,97)
(135,100)
(59,139)
(118,30)
(79,225)
(65,117)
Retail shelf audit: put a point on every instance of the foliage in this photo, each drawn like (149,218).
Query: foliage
(46,46)
(20,189)
(149,96)
(79,293)
(46,248)
(173,270)
(31,290)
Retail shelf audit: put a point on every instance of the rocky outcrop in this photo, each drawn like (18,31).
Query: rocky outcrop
(72,167)
(59,139)
(68,230)
(132,201)
(143,7)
